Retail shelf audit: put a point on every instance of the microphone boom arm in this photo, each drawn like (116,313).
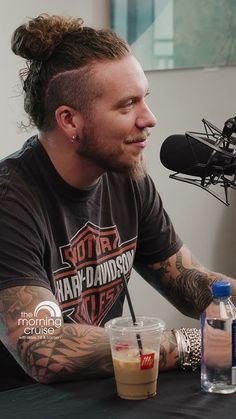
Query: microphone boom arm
(222,142)
(205,184)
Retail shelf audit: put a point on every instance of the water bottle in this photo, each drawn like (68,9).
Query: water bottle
(218,326)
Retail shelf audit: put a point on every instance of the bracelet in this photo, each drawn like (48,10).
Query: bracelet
(189,347)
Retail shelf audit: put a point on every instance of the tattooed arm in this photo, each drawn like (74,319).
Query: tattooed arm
(183,281)
(72,352)
(169,355)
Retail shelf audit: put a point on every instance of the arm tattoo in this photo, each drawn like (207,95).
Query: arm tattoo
(12,303)
(71,354)
(188,289)
(169,356)
(74,351)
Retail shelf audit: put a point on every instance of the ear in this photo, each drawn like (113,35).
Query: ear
(69,120)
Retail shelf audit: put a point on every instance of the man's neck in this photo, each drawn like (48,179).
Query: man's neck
(74,169)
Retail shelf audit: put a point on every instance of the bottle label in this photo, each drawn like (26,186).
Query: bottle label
(234,351)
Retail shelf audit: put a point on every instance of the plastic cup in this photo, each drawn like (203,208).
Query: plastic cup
(135,353)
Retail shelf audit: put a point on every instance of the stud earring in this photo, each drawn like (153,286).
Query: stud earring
(75,138)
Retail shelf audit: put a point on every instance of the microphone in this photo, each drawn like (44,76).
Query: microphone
(210,156)
(184,154)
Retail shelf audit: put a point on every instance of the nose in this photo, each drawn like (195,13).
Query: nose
(146,118)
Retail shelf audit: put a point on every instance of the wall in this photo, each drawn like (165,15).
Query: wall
(12,14)
(179,99)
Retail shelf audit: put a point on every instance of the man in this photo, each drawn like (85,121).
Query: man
(78,210)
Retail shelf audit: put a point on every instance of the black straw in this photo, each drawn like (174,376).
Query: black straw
(132,314)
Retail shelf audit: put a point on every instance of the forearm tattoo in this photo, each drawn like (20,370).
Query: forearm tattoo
(169,356)
(188,289)
(12,303)
(74,351)
(71,354)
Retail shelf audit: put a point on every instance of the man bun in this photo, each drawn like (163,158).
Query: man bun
(60,54)
(38,38)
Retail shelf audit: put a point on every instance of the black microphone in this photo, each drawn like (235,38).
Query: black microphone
(185,154)
(209,156)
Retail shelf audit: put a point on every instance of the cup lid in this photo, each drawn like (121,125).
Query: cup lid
(143,324)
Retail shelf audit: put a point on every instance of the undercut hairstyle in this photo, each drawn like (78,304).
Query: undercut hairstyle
(60,56)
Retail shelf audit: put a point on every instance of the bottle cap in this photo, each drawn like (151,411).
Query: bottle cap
(221,289)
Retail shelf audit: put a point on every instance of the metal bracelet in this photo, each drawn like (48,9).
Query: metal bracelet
(189,347)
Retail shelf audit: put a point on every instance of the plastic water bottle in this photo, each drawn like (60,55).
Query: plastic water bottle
(218,325)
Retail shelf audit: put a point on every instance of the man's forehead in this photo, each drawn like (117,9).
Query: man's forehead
(125,72)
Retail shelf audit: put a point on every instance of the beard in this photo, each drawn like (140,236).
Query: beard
(92,148)
(138,170)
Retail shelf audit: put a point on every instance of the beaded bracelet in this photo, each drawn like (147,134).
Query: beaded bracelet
(189,347)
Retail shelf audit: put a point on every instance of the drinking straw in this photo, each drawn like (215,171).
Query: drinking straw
(131,309)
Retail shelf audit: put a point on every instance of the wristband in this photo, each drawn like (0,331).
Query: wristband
(189,347)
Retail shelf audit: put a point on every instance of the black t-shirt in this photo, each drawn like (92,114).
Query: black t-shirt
(77,243)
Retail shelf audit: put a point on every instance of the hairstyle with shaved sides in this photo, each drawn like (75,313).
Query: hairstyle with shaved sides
(60,55)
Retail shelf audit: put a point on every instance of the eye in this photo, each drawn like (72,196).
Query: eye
(129,103)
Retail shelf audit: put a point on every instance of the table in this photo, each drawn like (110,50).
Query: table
(179,396)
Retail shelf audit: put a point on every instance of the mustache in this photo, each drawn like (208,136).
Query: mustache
(139,137)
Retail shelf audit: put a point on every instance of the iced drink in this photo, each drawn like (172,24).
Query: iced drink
(135,353)
(136,375)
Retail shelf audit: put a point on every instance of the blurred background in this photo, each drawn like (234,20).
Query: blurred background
(179,98)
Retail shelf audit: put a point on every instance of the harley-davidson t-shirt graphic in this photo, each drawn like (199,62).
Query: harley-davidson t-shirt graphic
(90,279)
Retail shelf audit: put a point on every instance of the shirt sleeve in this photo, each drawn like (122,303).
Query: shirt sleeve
(21,242)
(157,238)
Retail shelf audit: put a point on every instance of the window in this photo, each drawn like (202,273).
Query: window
(169,34)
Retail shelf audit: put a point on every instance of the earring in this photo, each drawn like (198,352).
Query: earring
(75,138)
